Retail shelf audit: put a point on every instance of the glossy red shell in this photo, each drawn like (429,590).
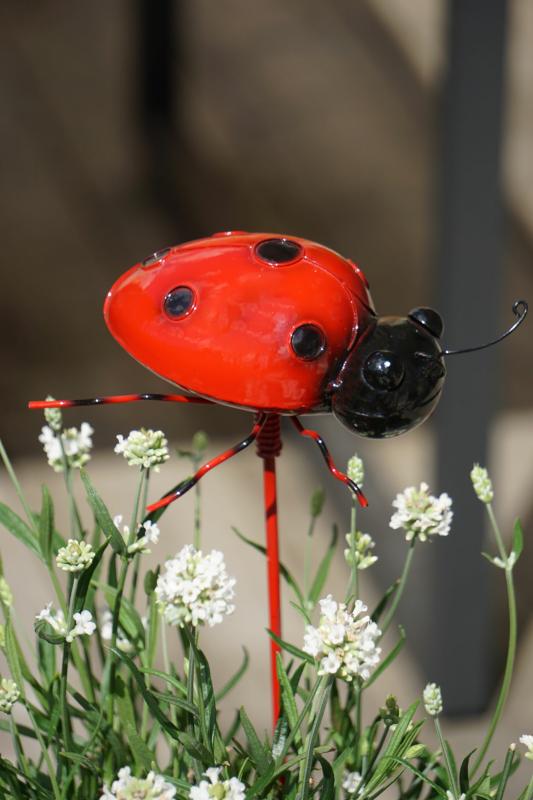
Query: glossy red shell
(234,346)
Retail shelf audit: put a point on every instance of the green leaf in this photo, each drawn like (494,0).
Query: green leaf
(82,761)
(384,602)
(323,569)
(388,660)
(85,581)
(196,749)
(177,684)
(289,706)
(317,502)
(142,754)
(16,526)
(286,575)
(150,581)
(290,648)
(234,680)
(464,781)
(438,789)
(326,789)
(518,539)
(260,756)
(172,700)
(13,656)
(148,696)
(103,516)
(46,525)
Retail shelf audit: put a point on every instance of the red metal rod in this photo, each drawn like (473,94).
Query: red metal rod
(268,448)
(117,398)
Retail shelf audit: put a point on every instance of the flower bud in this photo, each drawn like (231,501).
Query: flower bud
(482,484)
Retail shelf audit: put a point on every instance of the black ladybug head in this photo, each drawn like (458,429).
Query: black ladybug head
(392,379)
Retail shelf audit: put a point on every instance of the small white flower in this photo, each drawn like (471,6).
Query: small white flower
(75,557)
(482,484)
(195,588)
(144,448)
(72,445)
(351,782)
(151,536)
(126,787)
(420,514)
(451,796)
(6,595)
(215,789)
(85,626)
(345,642)
(9,694)
(359,550)
(433,699)
(527,741)
(56,619)
(356,470)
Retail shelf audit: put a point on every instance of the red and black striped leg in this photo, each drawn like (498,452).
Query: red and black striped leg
(184,487)
(268,448)
(117,398)
(329,460)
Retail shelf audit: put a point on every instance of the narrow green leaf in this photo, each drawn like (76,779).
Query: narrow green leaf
(388,660)
(196,749)
(16,526)
(323,569)
(290,708)
(142,754)
(290,648)
(175,682)
(286,575)
(46,525)
(82,761)
(172,700)
(518,539)
(103,516)
(148,696)
(12,654)
(464,780)
(384,602)
(85,581)
(261,757)
(326,789)
(234,680)
(438,789)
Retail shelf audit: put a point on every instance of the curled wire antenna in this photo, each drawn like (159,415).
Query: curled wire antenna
(520,308)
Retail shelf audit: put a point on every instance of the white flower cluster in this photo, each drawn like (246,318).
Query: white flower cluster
(9,694)
(433,699)
(345,643)
(482,484)
(351,782)
(75,444)
(527,741)
(144,448)
(84,624)
(140,545)
(420,514)
(215,789)
(359,550)
(75,557)
(195,588)
(126,787)
(356,470)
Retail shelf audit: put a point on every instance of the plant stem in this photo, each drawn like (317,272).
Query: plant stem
(197,532)
(511,645)
(142,490)
(353,583)
(45,753)
(18,488)
(529,792)
(449,770)
(400,589)
(317,712)
(65,717)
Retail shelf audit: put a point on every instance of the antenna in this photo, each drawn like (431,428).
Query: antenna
(520,309)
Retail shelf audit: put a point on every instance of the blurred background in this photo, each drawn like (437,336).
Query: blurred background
(398,133)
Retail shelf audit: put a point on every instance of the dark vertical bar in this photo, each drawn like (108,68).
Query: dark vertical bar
(461,656)
(157,51)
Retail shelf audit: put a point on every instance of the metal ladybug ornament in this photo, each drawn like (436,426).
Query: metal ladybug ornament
(276,325)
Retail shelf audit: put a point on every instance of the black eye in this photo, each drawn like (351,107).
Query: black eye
(278,251)
(384,370)
(179,302)
(308,342)
(155,257)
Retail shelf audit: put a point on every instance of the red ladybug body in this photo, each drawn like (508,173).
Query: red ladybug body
(256,321)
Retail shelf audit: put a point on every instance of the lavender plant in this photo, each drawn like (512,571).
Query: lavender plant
(92,718)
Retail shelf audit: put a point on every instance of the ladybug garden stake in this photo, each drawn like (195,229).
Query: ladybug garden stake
(275,325)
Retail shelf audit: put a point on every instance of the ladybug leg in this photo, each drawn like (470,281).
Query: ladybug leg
(116,398)
(329,460)
(187,484)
